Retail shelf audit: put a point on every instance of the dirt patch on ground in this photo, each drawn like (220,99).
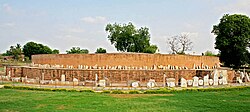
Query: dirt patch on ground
(137,95)
(41,105)
(60,107)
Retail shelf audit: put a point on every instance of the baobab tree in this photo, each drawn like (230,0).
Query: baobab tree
(180,43)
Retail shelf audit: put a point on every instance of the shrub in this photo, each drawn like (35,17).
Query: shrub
(134,92)
(87,90)
(46,89)
(159,91)
(117,92)
(8,87)
(106,91)
(61,89)
(72,90)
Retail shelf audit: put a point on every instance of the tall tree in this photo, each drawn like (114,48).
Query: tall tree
(174,44)
(32,48)
(127,38)
(209,53)
(232,39)
(15,51)
(55,51)
(101,50)
(151,49)
(77,50)
(180,44)
(121,36)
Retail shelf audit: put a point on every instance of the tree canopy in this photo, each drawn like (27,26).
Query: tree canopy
(232,39)
(101,50)
(55,51)
(209,53)
(32,48)
(15,51)
(127,38)
(77,50)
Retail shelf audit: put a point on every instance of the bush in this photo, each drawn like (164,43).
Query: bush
(117,92)
(106,91)
(8,87)
(87,90)
(46,89)
(72,90)
(61,89)
(159,91)
(134,92)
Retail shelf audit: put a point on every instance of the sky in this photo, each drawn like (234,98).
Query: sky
(63,24)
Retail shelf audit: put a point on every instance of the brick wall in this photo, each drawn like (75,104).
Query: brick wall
(125,59)
(113,76)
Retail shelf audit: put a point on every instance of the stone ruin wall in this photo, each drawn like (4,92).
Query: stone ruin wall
(43,69)
(126,59)
(116,77)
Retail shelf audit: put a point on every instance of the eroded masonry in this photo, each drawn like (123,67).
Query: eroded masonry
(124,69)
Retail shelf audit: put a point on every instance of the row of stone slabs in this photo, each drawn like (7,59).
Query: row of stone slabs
(119,67)
(206,81)
(170,82)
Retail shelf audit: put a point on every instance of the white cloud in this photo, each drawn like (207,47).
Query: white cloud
(7,8)
(94,20)
(241,6)
(75,30)
(191,34)
(8,25)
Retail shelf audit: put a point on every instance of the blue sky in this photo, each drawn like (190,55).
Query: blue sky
(62,24)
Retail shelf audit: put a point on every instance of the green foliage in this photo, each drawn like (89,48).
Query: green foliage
(55,51)
(87,90)
(32,48)
(134,92)
(15,51)
(60,89)
(209,53)
(151,49)
(127,38)
(101,50)
(117,92)
(158,91)
(77,50)
(1,69)
(232,39)
(71,90)
(106,91)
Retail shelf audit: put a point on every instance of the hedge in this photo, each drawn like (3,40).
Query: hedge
(44,89)
(134,92)
(106,91)
(159,91)
(117,92)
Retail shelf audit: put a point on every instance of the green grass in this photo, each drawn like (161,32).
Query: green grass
(1,69)
(27,100)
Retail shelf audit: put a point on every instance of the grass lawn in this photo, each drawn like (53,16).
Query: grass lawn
(1,69)
(27,100)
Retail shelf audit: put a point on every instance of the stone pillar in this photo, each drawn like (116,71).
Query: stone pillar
(206,83)
(216,79)
(183,82)
(164,80)
(42,76)
(63,78)
(196,81)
